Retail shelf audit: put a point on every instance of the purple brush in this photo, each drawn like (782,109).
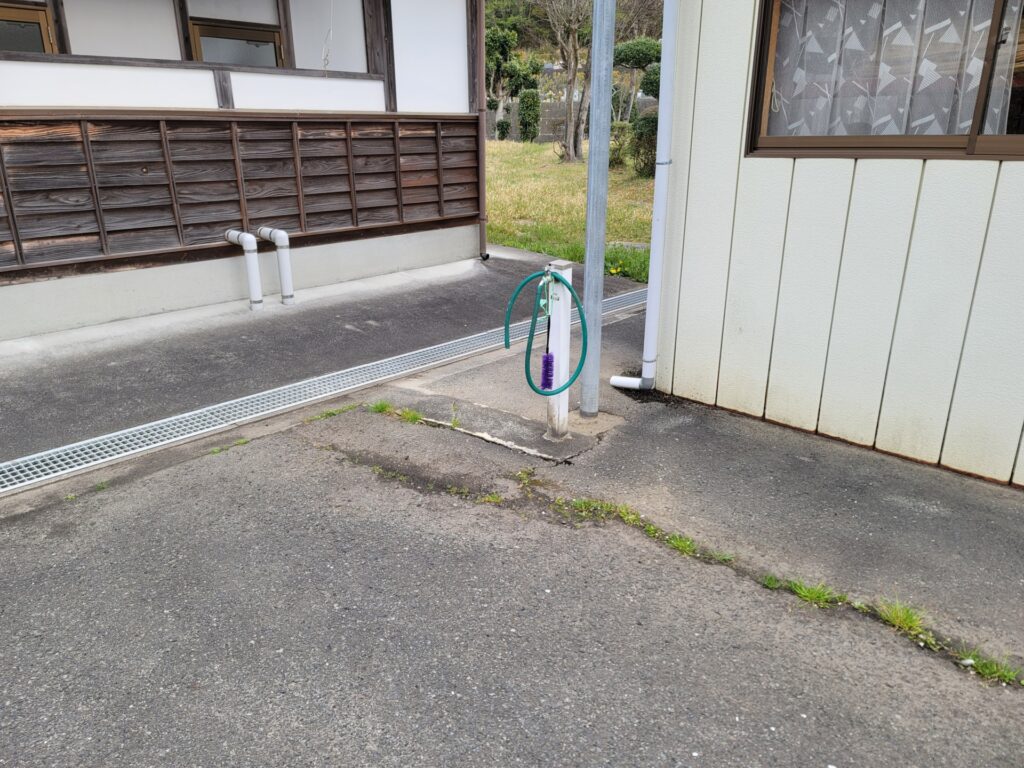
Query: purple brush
(547,372)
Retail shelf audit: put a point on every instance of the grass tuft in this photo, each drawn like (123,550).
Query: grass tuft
(71,497)
(721,557)
(771,581)
(490,498)
(990,668)
(901,616)
(820,595)
(330,414)
(102,485)
(381,406)
(409,416)
(682,544)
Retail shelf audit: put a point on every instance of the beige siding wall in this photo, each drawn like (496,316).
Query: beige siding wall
(877,301)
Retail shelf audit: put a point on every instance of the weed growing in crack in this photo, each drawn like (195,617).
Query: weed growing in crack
(381,406)
(102,485)
(771,581)
(651,531)
(490,498)
(721,557)
(819,595)
(908,621)
(71,497)
(389,474)
(456,422)
(457,490)
(330,414)
(989,668)
(409,416)
(682,544)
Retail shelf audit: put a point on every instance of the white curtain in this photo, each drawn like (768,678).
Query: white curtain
(886,67)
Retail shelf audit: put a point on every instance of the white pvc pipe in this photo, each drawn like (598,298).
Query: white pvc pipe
(284,260)
(252,265)
(666,115)
(561,338)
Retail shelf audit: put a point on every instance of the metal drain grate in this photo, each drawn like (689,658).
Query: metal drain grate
(49,465)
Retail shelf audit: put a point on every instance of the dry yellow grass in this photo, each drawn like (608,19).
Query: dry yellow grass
(538,203)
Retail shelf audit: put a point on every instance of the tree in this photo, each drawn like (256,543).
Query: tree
(570,22)
(529,115)
(650,83)
(636,56)
(508,71)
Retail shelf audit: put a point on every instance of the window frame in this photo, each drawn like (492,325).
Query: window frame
(33,12)
(973,145)
(234,30)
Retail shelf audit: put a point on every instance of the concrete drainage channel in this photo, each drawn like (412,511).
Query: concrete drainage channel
(20,474)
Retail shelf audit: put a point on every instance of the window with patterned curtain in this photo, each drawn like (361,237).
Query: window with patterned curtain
(894,68)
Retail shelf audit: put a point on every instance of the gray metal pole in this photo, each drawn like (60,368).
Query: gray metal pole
(601,56)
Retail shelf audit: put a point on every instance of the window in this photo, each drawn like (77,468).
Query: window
(236,44)
(26,29)
(897,76)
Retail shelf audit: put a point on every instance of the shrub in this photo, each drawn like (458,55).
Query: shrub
(645,144)
(619,144)
(504,127)
(492,104)
(529,115)
(650,83)
(639,53)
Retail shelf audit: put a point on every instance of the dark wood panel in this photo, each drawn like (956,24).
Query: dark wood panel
(269,169)
(459,144)
(324,148)
(373,147)
(143,240)
(33,131)
(419,178)
(321,203)
(43,153)
(107,131)
(127,152)
(460,160)
(321,221)
(134,197)
(207,191)
(56,224)
(461,192)
(267,149)
(53,201)
(421,211)
(375,164)
(323,184)
(375,181)
(194,172)
(388,168)
(322,166)
(273,206)
(376,199)
(61,248)
(130,175)
(122,219)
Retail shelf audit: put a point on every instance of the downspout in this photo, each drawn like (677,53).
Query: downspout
(284,260)
(252,265)
(666,114)
(481,133)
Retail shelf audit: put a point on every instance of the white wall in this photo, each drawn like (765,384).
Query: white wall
(62,84)
(878,301)
(345,39)
(252,11)
(431,55)
(105,297)
(292,92)
(144,29)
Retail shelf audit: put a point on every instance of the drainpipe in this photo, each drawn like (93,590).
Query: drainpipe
(284,260)
(252,265)
(666,113)
(481,133)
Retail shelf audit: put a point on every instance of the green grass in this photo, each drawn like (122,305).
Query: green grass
(381,406)
(682,544)
(490,498)
(102,485)
(721,557)
(537,203)
(771,581)
(901,616)
(991,669)
(820,595)
(330,414)
(410,416)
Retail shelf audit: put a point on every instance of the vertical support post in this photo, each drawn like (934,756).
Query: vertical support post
(561,336)
(602,54)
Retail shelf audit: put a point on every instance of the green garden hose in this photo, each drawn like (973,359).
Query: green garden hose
(545,278)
